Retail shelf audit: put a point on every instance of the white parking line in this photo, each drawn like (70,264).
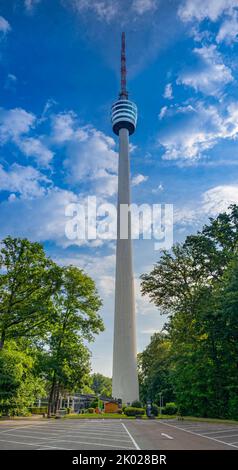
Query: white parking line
(91,444)
(56,431)
(132,438)
(198,434)
(221,431)
(166,435)
(47,438)
(35,445)
(20,427)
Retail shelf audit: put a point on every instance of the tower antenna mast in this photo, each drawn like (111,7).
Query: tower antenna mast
(123,92)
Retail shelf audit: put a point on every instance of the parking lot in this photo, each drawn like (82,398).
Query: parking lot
(66,435)
(221,433)
(77,434)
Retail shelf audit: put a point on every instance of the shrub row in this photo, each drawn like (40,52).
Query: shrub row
(38,410)
(132,411)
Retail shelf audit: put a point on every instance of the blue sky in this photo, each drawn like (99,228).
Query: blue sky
(59,74)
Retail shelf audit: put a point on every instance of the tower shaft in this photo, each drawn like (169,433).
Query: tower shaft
(125,379)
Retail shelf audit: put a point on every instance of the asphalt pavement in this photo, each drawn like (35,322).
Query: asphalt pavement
(80,434)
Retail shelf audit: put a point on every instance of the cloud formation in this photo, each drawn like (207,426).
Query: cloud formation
(209,75)
(26,181)
(4,26)
(138,179)
(90,154)
(201,9)
(188,131)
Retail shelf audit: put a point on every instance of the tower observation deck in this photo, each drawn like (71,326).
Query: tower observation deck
(125,378)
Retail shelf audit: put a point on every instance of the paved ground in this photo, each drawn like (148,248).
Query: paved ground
(116,434)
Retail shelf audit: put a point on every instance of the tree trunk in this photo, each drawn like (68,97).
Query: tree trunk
(56,400)
(51,397)
(2,339)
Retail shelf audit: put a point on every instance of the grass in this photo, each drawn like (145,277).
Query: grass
(122,416)
(109,416)
(99,416)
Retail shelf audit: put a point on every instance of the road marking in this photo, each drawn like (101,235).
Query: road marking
(90,444)
(69,442)
(71,435)
(56,431)
(197,434)
(19,427)
(132,438)
(36,445)
(222,431)
(166,435)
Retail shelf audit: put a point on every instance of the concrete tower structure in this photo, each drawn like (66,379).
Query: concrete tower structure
(125,378)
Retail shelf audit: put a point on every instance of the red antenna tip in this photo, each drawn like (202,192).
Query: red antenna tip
(123,93)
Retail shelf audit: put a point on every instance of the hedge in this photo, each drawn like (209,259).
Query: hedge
(132,411)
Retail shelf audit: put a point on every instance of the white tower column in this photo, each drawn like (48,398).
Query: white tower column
(125,378)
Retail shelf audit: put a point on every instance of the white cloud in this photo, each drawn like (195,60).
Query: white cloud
(144,6)
(168,91)
(219,198)
(42,218)
(10,82)
(105,10)
(25,180)
(4,26)
(90,154)
(195,129)
(158,189)
(211,202)
(30,4)
(138,179)
(210,75)
(14,123)
(34,147)
(201,9)
(228,31)
(63,127)
(162,112)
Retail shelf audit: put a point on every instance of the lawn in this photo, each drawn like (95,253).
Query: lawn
(109,416)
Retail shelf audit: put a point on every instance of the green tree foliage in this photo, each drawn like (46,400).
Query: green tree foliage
(76,319)
(47,315)
(19,386)
(154,370)
(27,281)
(196,286)
(101,385)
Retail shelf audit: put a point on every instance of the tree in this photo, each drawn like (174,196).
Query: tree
(101,385)
(27,281)
(196,286)
(19,386)
(155,370)
(76,319)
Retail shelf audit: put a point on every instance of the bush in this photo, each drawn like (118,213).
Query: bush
(119,411)
(170,409)
(136,404)
(94,403)
(124,406)
(154,409)
(132,411)
(91,410)
(38,410)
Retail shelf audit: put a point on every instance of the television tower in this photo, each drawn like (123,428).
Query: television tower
(125,377)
